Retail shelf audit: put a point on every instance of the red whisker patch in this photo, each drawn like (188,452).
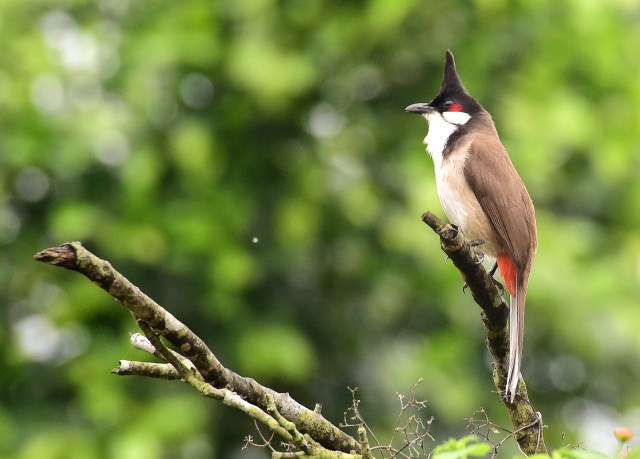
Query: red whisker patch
(455,108)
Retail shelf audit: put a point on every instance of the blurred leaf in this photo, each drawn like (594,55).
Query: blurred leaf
(577,453)
(469,446)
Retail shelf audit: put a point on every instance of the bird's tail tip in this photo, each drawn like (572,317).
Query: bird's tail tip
(515,346)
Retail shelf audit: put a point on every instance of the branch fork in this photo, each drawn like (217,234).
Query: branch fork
(196,364)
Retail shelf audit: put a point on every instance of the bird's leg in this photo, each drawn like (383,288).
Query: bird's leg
(477,253)
(492,271)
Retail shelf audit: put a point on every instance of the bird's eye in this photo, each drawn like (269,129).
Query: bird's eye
(451,106)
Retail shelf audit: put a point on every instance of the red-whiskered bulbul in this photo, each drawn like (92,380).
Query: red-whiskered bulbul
(482,194)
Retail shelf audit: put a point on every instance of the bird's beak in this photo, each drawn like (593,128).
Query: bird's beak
(420,108)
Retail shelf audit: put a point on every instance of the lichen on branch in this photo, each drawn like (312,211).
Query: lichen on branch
(527,423)
(210,377)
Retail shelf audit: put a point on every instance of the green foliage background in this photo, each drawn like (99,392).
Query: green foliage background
(250,166)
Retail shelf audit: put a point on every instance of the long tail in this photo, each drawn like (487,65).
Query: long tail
(518,292)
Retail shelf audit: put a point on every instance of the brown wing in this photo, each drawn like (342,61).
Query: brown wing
(503,197)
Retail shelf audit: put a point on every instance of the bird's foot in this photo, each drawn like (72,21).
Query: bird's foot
(492,271)
(478,254)
(455,227)
(479,257)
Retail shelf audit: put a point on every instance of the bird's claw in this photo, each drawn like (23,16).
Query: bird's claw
(477,253)
(479,259)
(499,286)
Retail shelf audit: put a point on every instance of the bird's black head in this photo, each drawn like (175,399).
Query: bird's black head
(453,102)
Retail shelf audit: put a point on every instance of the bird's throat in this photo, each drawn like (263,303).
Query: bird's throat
(436,140)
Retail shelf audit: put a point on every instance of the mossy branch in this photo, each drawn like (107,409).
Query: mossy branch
(526,421)
(197,365)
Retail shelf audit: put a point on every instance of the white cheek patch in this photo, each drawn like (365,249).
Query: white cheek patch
(436,139)
(458,118)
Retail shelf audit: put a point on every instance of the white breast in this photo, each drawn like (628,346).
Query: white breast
(453,191)
(456,197)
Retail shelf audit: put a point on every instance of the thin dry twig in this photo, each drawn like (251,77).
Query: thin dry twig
(409,434)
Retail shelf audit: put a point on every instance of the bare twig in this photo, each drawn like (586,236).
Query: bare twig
(265,443)
(409,433)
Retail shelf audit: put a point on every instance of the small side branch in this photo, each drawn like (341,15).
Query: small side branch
(150,369)
(364,443)
(297,438)
(526,421)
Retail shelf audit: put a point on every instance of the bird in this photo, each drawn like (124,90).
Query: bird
(483,195)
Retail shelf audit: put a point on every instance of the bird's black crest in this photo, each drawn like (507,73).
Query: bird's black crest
(452,89)
(450,80)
